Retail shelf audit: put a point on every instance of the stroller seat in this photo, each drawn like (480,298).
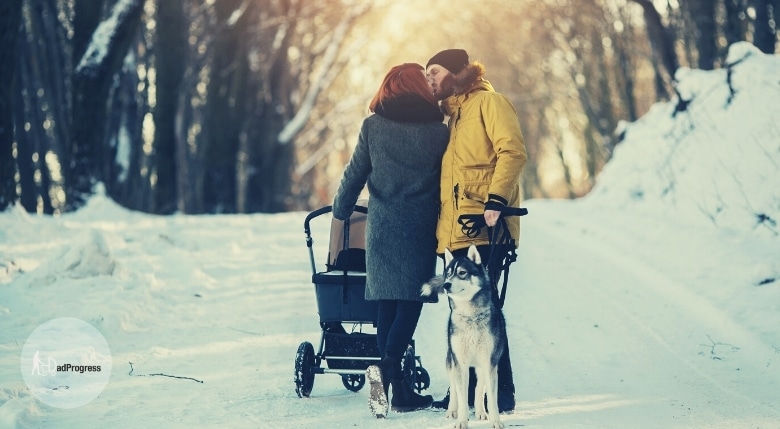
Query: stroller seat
(341,288)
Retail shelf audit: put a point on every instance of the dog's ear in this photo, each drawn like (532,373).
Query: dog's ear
(432,287)
(474,255)
(447,257)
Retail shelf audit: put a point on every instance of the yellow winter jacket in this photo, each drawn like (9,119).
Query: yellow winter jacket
(483,161)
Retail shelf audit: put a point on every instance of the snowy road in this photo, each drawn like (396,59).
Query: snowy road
(614,322)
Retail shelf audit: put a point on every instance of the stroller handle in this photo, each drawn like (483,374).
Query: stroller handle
(307,229)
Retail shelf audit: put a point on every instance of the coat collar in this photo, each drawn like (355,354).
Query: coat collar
(452,103)
(409,108)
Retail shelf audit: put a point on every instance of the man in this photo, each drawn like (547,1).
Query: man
(480,175)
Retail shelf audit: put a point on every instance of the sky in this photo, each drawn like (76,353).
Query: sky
(653,302)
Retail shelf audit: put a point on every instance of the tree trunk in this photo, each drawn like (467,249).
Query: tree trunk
(270,161)
(127,180)
(702,15)
(10,19)
(189,179)
(26,110)
(224,105)
(662,42)
(24,154)
(625,71)
(86,17)
(776,15)
(41,96)
(92,80)
(191,121)
(534,187)
(735,26)
(170,59)
(763,34)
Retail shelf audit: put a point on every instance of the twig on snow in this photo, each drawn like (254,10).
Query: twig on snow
(162,375)
(713,344)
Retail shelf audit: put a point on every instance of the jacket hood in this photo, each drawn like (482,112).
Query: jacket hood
(469,80)
(466,79)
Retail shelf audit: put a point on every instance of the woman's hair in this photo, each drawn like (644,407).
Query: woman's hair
(406,78)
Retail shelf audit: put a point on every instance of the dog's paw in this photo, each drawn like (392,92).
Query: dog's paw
(481,415)
(461,424)
(497,424)
(452,414)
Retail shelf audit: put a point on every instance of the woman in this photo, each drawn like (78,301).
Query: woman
(398,155)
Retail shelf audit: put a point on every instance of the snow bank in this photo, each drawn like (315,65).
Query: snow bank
(88,257)
(710,156)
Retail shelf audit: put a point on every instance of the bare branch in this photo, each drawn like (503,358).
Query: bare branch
(296,124)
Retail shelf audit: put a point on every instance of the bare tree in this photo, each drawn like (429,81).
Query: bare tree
(10,17)
(662,41)
(42,107)
(226,92)
(289,89)
(171,61)
(255,103)
(92,79)
(126,173)
(735,25)
(765,25)
(700,15)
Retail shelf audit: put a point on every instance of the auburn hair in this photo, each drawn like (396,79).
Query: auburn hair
(402,79)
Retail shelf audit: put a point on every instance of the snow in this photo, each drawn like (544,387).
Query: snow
(101,37)
(718,161)
(643,305)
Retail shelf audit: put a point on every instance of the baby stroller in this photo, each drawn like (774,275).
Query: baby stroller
(340,301)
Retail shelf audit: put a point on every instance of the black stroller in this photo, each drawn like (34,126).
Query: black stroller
(340,301)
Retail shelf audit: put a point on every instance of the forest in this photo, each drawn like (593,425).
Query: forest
(247,106)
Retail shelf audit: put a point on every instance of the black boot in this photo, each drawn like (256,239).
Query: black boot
(506,400)
(405,399)
(443,403)
(506,384)
(388,366)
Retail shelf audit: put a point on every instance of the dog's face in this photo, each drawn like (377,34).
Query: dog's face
(463,277)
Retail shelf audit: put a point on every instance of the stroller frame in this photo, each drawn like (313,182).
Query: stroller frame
(340,299)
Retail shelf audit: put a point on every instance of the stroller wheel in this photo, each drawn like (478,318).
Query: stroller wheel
(304,376)
(415,375)
(422,379)
(353,382)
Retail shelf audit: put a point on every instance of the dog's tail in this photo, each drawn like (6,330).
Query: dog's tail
(433,287)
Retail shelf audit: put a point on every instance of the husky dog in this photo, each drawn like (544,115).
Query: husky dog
(476,336)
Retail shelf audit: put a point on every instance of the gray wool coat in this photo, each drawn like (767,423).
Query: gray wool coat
(401,163)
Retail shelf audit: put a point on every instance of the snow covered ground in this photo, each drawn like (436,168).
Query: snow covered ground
(652,303)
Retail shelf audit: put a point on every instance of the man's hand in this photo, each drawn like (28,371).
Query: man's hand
(491,217)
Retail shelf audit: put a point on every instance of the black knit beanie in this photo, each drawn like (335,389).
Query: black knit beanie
(453,60)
